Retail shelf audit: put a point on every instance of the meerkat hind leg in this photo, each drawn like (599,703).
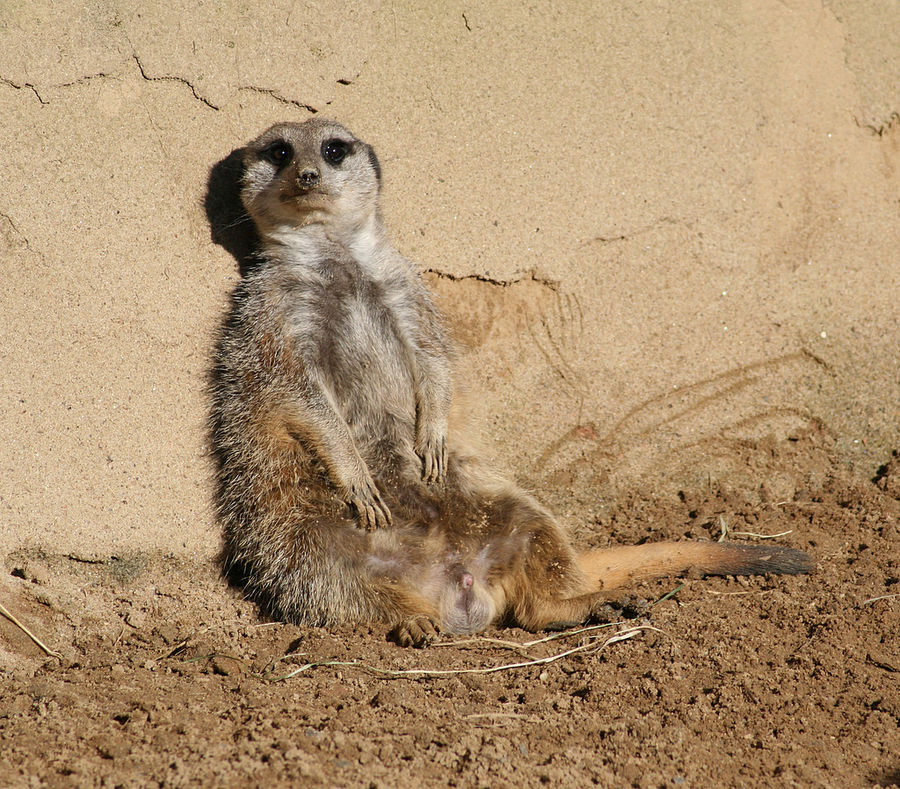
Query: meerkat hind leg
(546,613)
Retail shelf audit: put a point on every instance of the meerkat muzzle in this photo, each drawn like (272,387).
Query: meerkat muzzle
(308,178)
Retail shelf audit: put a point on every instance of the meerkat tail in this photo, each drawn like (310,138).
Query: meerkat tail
(611,568)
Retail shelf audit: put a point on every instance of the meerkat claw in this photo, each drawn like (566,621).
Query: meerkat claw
(434,460)
(415,632)
(373,514)
(370,508)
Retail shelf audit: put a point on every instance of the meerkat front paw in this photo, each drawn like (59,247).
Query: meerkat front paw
(432,450)
(417,631)
(370,508)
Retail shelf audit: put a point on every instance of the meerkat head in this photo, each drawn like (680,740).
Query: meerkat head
(317,172)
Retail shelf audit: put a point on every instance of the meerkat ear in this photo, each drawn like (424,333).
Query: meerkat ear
(375,165)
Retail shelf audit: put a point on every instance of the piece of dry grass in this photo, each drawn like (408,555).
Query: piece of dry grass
(9,615)
(495,719)
(591,646)
(880,597)
(726,531)
(523,645)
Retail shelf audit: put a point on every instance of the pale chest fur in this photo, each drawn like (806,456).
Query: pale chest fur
(353,325)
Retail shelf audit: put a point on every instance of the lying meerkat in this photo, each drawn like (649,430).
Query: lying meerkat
(342,496)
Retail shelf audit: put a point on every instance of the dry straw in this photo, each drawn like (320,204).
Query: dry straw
(8,614)
(592,645)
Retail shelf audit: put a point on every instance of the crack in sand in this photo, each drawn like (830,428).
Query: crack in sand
(880,130)
(105,75)
(164,78)
(24,86)
(665,220)
(173,78)
(6,221)
(283,99)
(529,276)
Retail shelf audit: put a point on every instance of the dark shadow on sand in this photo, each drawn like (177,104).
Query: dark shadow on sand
(229,225)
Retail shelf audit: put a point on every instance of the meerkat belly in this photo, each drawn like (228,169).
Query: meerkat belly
(370,374)
(376,388)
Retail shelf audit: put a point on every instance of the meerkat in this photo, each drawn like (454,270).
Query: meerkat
(343,492)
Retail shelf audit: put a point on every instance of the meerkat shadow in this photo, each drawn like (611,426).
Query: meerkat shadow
(229,224)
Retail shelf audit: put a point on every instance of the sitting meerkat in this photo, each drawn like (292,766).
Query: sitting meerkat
(342,494)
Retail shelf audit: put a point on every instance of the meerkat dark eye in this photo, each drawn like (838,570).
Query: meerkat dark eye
(278,153)
(335,151)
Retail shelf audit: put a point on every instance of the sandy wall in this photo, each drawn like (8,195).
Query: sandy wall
(656,228)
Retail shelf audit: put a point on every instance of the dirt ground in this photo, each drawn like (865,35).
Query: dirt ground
(166,679)
(666,238)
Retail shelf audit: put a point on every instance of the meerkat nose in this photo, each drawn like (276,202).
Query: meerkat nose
(308,178)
